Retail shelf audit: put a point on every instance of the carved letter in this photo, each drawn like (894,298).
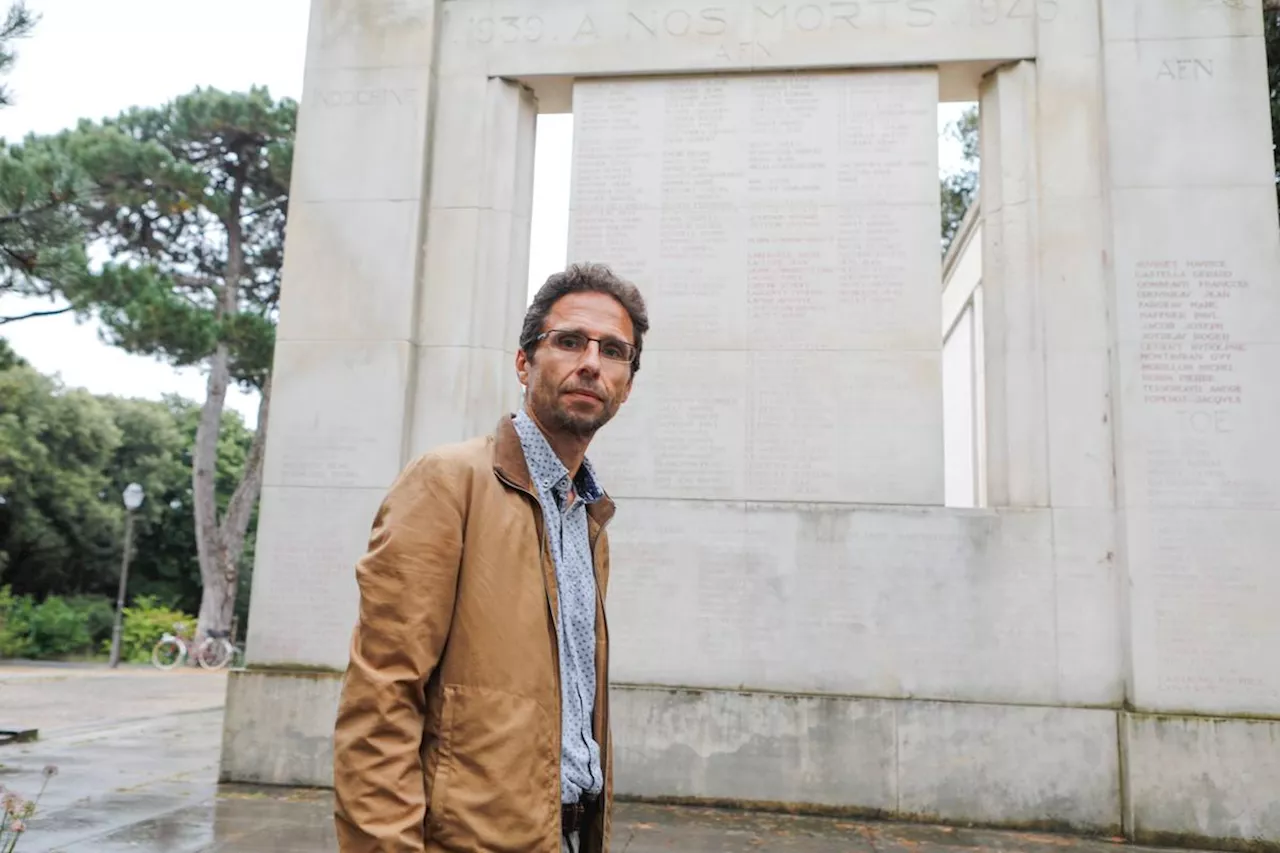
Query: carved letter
(849,17)
(780,15)
(652,31)
(587,29)
(813,23)
(884,12)
(715,21)
(1166,72)
(677,29)
(1048,9)
(922,13)
(1019,10)
(1206,66)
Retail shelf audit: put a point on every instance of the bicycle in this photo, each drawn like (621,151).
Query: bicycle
(216,651)
(170,650)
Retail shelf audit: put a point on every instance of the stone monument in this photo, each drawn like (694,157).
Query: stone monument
(796,616)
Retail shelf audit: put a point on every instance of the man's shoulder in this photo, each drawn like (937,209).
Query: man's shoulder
(459,457)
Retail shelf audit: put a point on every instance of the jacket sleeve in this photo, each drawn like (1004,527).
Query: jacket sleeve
(408,579)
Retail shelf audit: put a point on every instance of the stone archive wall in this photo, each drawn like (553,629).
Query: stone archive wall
(794,617)
(784,229)
(781,226)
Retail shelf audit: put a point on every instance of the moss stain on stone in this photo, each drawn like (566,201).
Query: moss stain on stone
(884,815)
(293,670)
(1192,841)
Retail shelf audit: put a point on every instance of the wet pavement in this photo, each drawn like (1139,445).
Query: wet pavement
(137,754)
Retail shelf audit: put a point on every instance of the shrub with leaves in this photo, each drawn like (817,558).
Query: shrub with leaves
(145,623)
(54,628)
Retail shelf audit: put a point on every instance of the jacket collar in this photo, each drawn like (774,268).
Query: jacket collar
(509,463)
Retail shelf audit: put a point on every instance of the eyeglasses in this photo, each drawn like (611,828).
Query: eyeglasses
(573,342)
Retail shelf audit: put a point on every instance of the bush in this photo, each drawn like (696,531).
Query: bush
(99,615)
(54,628)
(15,621)
(145,622)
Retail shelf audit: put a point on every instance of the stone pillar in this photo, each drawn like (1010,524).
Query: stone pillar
(1047,339)
(1013,322)
(343,375)
(1195,259)
(1077,467)
(475,279)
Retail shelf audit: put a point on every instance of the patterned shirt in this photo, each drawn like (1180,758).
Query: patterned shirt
(576,584)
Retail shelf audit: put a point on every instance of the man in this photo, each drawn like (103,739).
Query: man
(475,713)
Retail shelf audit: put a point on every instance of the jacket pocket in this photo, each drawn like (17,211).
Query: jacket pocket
(497,784)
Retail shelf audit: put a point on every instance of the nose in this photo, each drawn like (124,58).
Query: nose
(589,362)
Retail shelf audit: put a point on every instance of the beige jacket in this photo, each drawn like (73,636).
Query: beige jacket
(448,730)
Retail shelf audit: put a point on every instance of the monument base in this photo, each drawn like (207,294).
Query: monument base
(1197,781)
(278,728)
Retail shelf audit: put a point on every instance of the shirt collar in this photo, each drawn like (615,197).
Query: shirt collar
(546,469)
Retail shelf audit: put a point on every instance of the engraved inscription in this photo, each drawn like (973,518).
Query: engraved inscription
(847,15)
(1187,354)
(848,585)
(337,98)
(1212,621)
(989,12)
(1175,70)
(506,29)
(780,224)
(1193,371)
(737,32)
(344,19)
(712,21)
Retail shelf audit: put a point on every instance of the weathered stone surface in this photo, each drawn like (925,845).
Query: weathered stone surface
(829,599)
(1193,779)
(779,466)
(279,727)
(782,228)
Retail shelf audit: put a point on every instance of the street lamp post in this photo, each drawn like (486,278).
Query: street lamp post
(132,500)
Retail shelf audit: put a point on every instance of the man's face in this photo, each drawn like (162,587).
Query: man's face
(577,392)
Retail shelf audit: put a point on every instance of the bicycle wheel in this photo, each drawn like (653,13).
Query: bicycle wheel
(214,654)
(167,654)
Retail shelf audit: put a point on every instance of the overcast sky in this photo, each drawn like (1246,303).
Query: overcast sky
(94,58)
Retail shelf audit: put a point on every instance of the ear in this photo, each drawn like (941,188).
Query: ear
(522,367)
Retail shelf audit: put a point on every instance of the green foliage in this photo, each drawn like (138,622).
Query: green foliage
(42,239)
(65,458)
(53,628)
(960,188)
(9,358)
(58,532)
(190,200)
(97,614)
(18,23)
(145,623)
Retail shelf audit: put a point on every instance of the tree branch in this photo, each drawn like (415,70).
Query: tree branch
(52,313)
(284,199)
(235,523)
